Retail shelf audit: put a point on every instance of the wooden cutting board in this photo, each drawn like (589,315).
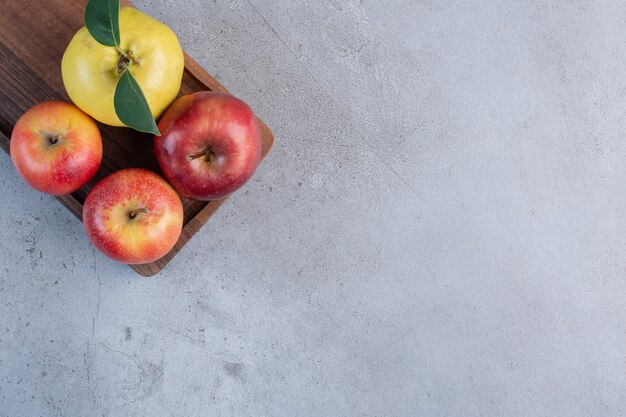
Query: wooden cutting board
(33,37)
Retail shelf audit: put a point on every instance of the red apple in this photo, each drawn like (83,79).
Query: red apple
(133,216)
(56,148)
(210,144)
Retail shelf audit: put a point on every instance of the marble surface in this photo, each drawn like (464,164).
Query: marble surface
(439,229)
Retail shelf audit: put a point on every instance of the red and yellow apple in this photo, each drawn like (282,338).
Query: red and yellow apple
(133,216)
(210,145)
(56,148)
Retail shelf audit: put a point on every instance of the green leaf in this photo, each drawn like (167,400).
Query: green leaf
(132,107)
(102,18)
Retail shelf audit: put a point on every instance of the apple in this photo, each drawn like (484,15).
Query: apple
(133,216)
(55,147)
(149,48)
(210,145)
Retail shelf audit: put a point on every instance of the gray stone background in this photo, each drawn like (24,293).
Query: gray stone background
(439,229)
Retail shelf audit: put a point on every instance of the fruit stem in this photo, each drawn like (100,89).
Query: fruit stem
(53,139)
(123,61)
(133,213)
(208,152)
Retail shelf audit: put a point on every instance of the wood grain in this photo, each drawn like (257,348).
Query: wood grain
(33,37)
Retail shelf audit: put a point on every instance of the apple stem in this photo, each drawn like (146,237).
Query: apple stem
(124,60)
(207,152)
(54,138)
(133,213)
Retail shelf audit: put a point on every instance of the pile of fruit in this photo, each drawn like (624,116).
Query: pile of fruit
(125,68)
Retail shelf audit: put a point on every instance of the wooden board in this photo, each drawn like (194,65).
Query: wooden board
(33,37)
